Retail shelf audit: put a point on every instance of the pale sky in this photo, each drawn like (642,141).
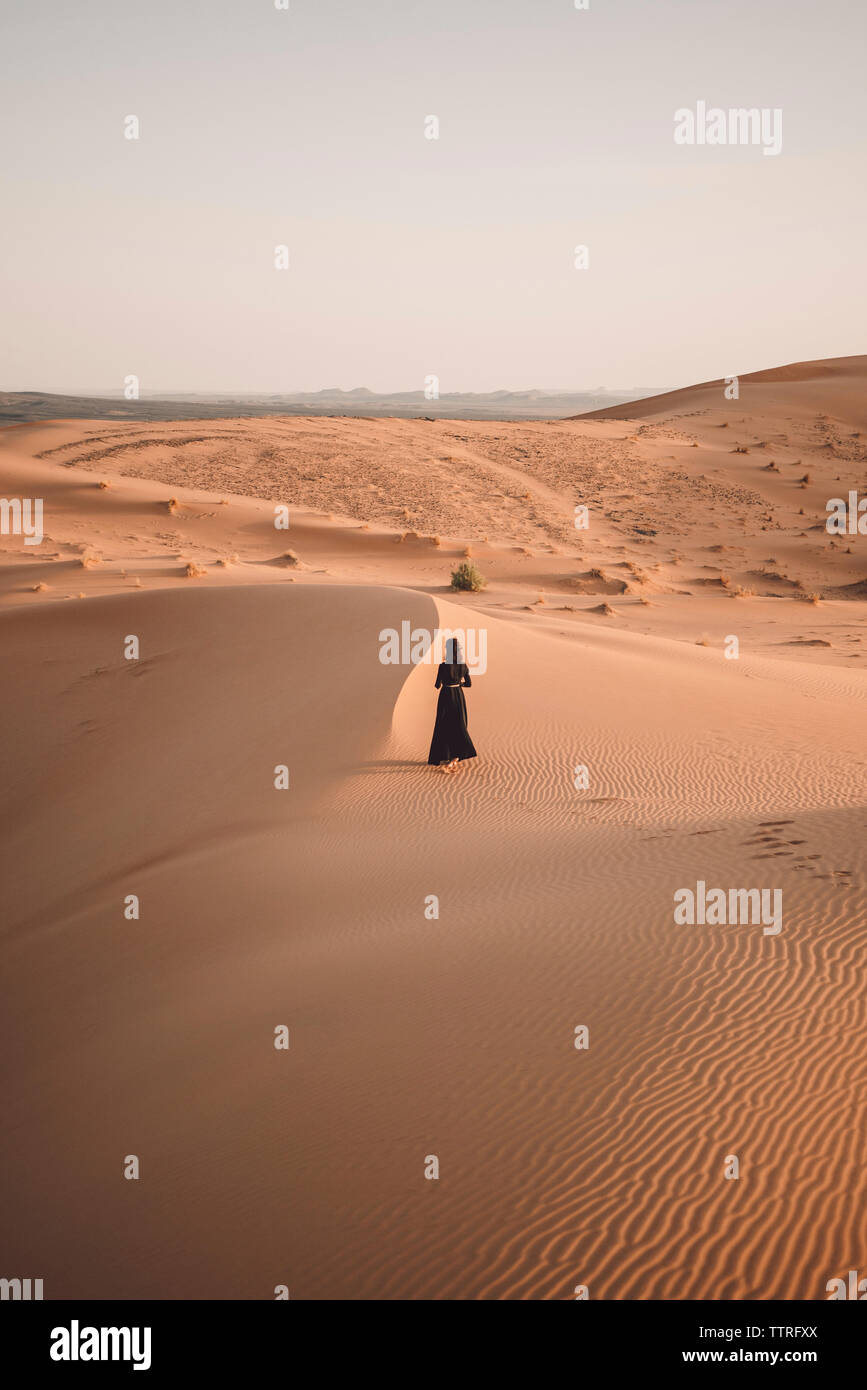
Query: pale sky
(408,256)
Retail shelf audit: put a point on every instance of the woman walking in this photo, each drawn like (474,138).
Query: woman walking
(451,743)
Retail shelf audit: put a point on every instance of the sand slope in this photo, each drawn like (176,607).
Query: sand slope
(410,1036)
(830,385)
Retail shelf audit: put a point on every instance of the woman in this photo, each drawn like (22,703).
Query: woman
(451,743)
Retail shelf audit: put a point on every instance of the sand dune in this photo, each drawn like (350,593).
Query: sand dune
(306,907)
(833,384)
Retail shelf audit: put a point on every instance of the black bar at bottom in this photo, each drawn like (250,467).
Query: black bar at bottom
(171,1339)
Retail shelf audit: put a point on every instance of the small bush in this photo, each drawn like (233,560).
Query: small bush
(467,577)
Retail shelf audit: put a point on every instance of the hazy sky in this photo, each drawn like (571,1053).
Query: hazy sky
(411,256)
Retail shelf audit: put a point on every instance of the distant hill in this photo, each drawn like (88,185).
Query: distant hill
(460,405)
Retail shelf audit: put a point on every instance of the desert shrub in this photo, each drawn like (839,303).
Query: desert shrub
(467,577)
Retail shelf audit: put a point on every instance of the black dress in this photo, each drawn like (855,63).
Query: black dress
(450,737)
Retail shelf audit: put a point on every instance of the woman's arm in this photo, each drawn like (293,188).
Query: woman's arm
(466,677)
(439,679)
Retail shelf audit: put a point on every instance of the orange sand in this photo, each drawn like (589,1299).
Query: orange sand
(454,1037)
